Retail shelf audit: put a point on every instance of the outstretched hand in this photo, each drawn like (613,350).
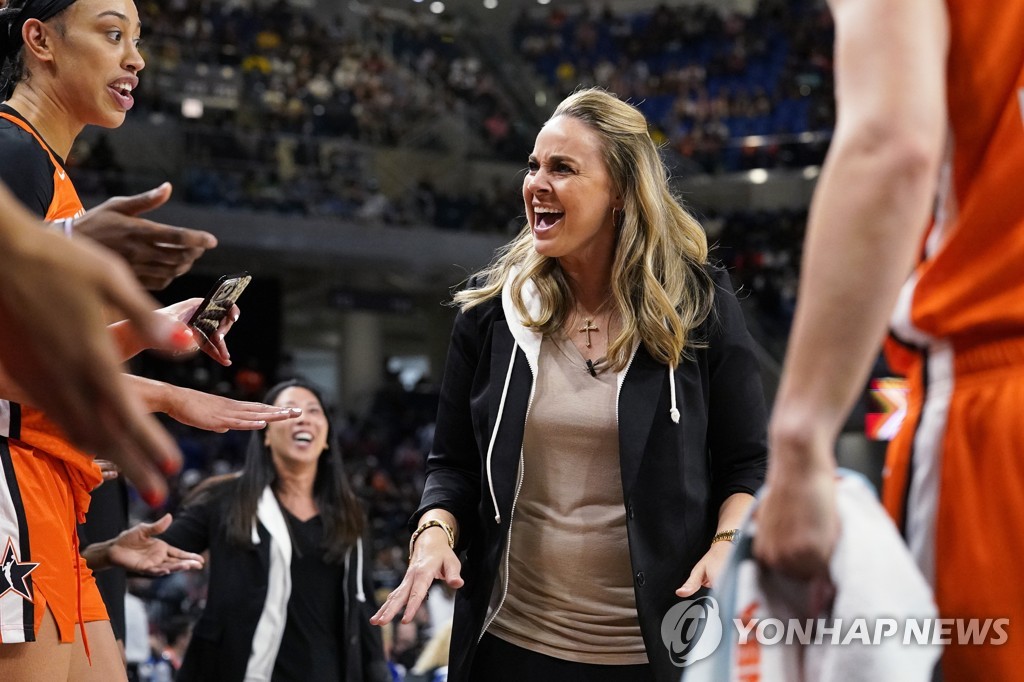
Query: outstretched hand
(157,253)
(217,413)
(432,559)
(140,551)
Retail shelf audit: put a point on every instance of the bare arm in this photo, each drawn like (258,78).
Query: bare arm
(204,410)
(866,221)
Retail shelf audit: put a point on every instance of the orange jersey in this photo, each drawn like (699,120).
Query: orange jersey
(44,481)
(967,289)
(956,467)
(65,202)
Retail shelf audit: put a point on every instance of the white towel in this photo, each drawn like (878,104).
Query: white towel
(876,581)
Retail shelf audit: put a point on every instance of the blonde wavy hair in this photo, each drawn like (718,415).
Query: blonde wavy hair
(661,288)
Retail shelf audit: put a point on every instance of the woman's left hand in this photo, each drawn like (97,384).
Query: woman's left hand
(706,572)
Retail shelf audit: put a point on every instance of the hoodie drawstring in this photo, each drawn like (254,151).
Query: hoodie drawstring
(494,433)
(360,594)
(673,411)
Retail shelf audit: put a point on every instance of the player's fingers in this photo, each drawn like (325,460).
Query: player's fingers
(223,356)
(278,415)
(182,237)
(160,258)
(140,203)
(191,560)
(693,583)
(73,406)
(142,472)
(156,527)
(228,321)
(246,422)
(214,347)
(145,451)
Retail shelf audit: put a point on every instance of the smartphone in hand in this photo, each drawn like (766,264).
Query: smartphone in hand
(217,304)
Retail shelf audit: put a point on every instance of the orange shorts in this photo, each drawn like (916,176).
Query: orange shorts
(953,483)
(41,503)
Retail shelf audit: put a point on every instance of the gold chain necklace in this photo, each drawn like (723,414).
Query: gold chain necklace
(588,321)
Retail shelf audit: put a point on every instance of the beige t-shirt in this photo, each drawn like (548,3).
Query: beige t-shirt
(570,585)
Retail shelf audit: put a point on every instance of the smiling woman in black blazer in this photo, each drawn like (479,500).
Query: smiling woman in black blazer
(290,592)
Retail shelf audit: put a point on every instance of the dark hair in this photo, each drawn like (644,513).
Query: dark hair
(340,510)
(12,18)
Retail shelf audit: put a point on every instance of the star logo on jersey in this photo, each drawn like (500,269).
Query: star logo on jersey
(14,573)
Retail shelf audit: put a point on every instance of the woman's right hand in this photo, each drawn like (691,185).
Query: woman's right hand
(432,559)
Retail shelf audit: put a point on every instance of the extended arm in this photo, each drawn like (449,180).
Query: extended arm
(140,551)
(204,410)
(453,481)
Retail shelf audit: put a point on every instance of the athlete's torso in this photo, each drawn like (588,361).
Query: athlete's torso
(968,287)
(36,175)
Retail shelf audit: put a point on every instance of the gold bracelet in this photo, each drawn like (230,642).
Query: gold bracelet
(726,536)
(432,523)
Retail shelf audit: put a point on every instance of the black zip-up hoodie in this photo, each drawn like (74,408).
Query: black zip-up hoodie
(688,439)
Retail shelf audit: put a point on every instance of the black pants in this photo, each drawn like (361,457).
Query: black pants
(498,661)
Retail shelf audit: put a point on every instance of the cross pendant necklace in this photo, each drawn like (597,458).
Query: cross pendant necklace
(588,327)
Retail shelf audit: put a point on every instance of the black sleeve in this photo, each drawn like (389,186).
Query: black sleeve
(25,168)
(738,419)
(453,467)
(191,529)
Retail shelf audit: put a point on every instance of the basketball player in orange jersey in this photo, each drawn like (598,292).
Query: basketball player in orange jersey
(157,253)
(75,63)
(70,346)
(926,164)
